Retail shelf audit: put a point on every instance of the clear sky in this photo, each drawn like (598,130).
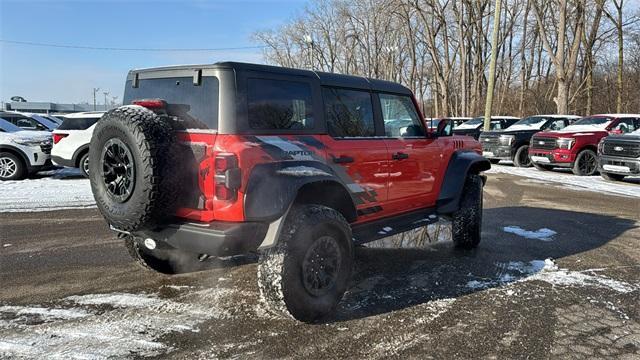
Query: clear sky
(69,75)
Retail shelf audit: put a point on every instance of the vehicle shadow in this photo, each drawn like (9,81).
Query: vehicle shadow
(387,280)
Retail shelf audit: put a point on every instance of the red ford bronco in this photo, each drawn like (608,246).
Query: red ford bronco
(297,165)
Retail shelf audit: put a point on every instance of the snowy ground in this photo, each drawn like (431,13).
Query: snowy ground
(630,187)
(55,190)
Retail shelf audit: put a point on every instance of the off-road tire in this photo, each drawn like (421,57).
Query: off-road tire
(585,155)
(521,158)
(467,221)
(611,177)
(494,161)
(542,167)
(152,146)
(280,271)
(20,171)
(163,261)
(81,164)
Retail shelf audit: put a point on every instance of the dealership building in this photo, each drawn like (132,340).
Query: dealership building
(53,108)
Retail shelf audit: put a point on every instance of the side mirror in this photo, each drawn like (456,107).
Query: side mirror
(445,128)
(411,131)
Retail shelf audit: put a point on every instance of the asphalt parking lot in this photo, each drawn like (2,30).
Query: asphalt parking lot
(557,275)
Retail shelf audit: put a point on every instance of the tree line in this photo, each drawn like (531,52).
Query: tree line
(553,56)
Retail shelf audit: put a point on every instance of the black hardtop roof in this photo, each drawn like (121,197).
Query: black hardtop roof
(328,79)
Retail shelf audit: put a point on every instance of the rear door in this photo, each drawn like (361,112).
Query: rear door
(359,158)
(413,159)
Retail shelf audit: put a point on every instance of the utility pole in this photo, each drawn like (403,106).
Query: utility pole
(95,91)
(492,66)
(105,100)
(309,40)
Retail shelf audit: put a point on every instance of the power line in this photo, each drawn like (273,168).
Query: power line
(29,43)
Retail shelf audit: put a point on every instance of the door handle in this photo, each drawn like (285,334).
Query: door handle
(399,156)
(343,159)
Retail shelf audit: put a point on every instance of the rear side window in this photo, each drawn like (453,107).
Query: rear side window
(78,123)
(195,106)
(349,113)
(279,105)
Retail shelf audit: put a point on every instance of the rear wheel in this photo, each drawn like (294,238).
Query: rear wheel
(11,167)
(542,167)
(306,273)
(612,177)
(84,165)
(467,221)
(586,163)
(521,158)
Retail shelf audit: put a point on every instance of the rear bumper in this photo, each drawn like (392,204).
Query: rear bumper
(215,238)
(618,165)
(62,161)
(558,157)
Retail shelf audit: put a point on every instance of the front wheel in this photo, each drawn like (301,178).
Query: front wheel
(586,163)
(494,161)
(11,167)
(521,159)
(611,177)
(306,273)
(467,221)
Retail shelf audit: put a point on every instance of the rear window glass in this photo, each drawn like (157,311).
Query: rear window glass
(279,104)
(195,106)
(77,123)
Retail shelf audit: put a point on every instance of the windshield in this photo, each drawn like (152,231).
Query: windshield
(532,122)
(471,124)
(8,127)
(600,122)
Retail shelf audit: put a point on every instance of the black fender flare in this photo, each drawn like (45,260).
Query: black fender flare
(19,152)
(76,154)
(460,165)
(273,187)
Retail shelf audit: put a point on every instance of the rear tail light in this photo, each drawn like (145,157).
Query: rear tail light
(151,104)
(58,137)
(227,177)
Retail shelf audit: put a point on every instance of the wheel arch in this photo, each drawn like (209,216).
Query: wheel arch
(270,192)
(461,164)
(77,155)
(19,153)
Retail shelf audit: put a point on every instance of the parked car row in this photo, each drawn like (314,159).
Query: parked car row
(605,143)
(35,142)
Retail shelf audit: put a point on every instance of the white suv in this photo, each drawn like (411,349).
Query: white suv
(22,152)
(71,140)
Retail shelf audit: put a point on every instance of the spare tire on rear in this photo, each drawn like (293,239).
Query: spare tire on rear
(130,168)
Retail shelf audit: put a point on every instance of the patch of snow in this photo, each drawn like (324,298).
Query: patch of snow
(302,171)
(543,234)
(547,271)
(17,314)
(45,194)
(583,183)
(7,245)
(121,300)
(128,330)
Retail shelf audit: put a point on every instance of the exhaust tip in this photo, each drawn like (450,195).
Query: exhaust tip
(149,243)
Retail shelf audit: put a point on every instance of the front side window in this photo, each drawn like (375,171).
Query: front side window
(349,112)
(279,104)
(557,124)
(400,117)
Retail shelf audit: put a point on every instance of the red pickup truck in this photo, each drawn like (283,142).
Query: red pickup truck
(576,145)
